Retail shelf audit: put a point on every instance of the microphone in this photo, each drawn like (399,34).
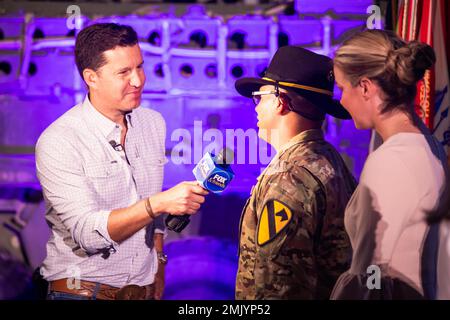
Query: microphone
(116,146)
(214,174)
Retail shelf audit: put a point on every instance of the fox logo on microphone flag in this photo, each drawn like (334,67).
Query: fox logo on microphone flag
(274,218)
(218,180)
(212,176)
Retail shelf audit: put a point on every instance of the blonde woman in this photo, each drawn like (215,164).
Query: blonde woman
(403,182)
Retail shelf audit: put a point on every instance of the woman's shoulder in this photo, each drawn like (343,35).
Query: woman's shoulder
(400,149)
(387,168)
(384,159)
(406,153)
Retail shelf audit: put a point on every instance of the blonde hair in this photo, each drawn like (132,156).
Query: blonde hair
(395,65)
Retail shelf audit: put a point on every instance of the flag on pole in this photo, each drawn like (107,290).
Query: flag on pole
(423,20)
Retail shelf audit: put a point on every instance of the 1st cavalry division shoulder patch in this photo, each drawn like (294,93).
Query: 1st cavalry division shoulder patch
(274,218)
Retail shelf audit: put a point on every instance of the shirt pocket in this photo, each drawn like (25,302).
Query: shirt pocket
(102,170)
(107,180)
(154,168)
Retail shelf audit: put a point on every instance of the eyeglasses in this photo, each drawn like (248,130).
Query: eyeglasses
(256,95)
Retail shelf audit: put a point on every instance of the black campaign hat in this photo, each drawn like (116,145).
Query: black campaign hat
(303,71)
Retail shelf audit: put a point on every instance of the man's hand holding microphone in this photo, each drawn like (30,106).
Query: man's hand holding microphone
(213,174)
(184,198)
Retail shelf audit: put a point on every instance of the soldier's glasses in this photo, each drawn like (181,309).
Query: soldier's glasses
(256,95)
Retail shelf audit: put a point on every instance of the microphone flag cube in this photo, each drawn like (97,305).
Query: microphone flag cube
(212,176)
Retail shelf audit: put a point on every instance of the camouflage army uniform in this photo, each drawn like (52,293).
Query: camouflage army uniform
(293,243)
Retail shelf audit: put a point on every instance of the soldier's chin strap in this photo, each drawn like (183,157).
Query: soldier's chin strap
(277,89)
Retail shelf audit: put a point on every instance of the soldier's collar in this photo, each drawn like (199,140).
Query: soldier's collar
(304,136)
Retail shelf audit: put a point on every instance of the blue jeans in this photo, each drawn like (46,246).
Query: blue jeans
(54,295)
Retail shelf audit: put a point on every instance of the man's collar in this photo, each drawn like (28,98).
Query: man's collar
(312,134)
(105,125)
(304,136)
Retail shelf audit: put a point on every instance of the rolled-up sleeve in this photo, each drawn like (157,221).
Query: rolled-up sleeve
(66,190)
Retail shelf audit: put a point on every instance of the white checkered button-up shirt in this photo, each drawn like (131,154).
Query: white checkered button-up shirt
(84,178)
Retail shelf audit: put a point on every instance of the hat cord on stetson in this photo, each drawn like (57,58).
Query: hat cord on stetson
(299,86)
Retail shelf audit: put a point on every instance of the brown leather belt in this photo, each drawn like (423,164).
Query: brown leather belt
(94,290)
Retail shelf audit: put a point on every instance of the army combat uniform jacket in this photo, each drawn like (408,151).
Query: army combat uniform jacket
(293,243)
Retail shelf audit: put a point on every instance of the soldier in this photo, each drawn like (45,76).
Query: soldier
(293,244)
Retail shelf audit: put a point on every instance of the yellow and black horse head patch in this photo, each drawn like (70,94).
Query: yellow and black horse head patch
(274,218)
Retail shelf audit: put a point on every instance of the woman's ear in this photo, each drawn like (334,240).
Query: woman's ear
(366,88)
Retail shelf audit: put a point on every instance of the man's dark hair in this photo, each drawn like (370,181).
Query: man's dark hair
(94,40)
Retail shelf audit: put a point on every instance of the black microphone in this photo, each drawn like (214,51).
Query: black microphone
(116,146)
(214,174)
